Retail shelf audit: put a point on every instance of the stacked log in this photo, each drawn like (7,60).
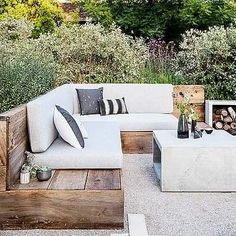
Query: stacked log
(225,119)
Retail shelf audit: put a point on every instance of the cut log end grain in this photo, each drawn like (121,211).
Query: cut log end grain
(233,125)
(227,119)
(226,127)
(222,112)
(218,125)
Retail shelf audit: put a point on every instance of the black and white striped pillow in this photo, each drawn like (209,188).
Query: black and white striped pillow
(112,106)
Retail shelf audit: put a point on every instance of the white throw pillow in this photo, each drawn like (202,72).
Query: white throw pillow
(68,128)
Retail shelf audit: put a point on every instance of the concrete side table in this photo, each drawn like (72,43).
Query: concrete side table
(206,164)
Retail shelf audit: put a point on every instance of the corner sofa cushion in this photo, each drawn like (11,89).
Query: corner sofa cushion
(42,131)
(136,121)
(68,128)
(112,106)
(102,150)
(88,100)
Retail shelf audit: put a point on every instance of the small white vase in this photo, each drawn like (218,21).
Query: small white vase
(24,176)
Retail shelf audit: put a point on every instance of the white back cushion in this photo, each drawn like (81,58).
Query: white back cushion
(42,131)
(140,98)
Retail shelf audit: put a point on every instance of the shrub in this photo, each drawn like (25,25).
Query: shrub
(79,54)
(45,14)
(25,72)
(209,58)
(91,53)
(12,29)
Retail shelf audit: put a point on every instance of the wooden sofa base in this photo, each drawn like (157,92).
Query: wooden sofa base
(71,199)
(136,142)
(141,142)
(75,209)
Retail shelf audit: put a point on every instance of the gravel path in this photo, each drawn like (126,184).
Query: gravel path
(177,214)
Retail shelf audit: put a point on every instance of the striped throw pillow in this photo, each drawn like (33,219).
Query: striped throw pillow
(112,106)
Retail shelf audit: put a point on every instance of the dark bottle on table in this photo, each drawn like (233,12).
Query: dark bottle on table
(193,126)
(183,131)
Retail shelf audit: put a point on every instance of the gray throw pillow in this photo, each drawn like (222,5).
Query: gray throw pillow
(88,100)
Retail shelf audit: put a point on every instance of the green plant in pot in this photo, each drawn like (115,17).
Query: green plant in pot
(43,173)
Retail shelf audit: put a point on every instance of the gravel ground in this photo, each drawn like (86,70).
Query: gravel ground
(187,214)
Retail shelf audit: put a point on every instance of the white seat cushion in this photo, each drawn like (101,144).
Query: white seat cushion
(136,121)
(102,150)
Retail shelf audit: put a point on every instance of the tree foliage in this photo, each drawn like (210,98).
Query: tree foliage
(162,18)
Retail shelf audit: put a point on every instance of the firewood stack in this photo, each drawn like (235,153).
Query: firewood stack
(225,119)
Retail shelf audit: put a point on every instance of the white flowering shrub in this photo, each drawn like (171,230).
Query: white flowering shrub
(12,29)
(209,58)
(80,54)
(25,72)
(93,54)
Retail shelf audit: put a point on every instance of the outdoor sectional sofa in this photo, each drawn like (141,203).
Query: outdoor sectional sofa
(86,189)
(150,108)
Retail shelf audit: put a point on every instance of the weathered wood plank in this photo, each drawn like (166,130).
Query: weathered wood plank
(103,179)
(197,98)
(16,160)
(61,209)
(195,92)
(2,179)
(16,141)
(136,142)
(18,128)
(3,142)
(34,184)
(69,179)
(200,109)
(13,111)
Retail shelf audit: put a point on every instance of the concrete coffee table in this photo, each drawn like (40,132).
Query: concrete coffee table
(205,164)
